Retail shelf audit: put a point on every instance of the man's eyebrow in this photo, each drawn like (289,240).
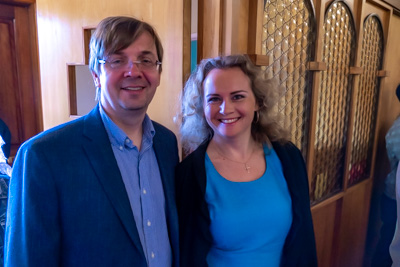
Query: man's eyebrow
(146,53)
(116,53)
(142,53)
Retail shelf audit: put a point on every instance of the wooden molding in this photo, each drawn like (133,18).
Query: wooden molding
(210,22)
(356,70)
(187,40)
(87,34)
(18,2)
(316,66)
(328,201)
(383,73)
(71,71)
(387,4)
(259,60)
(72,89)
(255,26)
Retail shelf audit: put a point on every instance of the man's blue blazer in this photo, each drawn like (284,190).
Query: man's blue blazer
(68,205)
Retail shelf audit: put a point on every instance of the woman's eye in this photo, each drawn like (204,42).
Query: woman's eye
(213,99)
(237,97)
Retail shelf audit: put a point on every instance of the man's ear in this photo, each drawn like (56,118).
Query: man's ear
(96,79)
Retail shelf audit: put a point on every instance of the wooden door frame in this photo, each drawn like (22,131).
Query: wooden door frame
(30,6)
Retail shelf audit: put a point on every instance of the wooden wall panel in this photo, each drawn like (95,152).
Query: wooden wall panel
(235,34)
(380,9)
(60,35)
(209,34)
(324,228)
(353,225)
(224,27)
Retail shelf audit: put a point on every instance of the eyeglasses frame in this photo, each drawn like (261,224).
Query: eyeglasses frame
(138,63)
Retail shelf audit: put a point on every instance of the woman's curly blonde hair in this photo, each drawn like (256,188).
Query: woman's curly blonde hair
(194,128)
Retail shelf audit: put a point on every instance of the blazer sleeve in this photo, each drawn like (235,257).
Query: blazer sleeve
(300,248)
(32,224)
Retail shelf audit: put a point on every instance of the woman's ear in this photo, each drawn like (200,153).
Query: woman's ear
(259,104)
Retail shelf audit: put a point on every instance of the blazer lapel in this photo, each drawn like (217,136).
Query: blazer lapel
(166,164)
(98,149)
(166,151)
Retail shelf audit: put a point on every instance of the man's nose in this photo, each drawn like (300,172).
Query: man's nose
(133,68)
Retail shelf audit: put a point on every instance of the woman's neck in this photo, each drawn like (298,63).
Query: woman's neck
(237,148)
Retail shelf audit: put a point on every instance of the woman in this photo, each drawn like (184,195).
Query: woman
(242,195)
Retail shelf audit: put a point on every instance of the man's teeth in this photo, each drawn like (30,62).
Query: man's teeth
(133,88)
(229,121)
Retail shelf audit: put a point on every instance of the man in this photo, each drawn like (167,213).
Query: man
(99,191)
(395,245)
(388,200)
(6,135)
(5,172)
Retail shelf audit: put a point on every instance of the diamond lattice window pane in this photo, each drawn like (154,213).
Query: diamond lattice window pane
(287,40)
(366,101)
(333,102)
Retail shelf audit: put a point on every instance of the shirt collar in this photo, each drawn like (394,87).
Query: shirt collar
(119,138)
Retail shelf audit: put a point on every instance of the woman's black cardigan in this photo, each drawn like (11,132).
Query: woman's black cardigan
(194,219)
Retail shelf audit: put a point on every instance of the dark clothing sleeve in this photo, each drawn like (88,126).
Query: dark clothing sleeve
(37,223)
(6,135)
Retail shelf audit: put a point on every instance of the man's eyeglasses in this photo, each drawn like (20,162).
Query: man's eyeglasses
(123,63)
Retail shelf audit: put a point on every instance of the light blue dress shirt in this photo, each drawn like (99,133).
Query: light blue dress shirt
(142,179)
